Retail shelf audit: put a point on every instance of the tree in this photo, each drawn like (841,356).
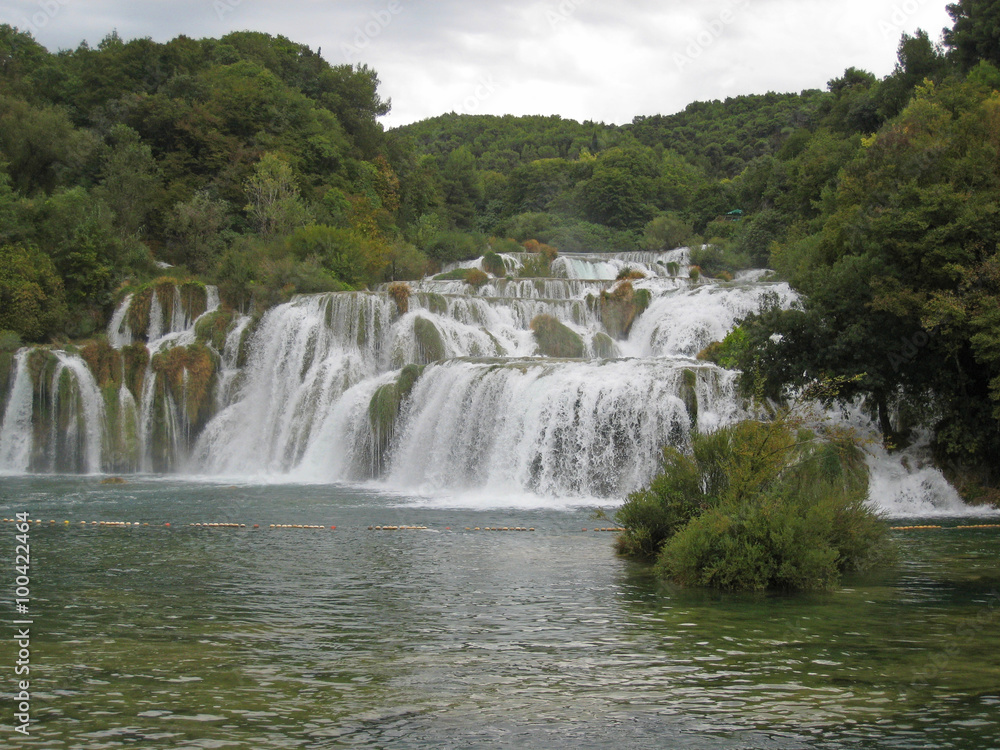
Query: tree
(274,206)
(757,505)
(31,293)
(976,33)
(131,183)
(195,232)
(621,189)
(667,232)
(41,147)
(351,257)
(461,187)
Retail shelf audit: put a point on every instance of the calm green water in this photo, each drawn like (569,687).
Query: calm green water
(159,637)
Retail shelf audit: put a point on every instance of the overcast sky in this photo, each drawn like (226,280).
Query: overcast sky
(606,60)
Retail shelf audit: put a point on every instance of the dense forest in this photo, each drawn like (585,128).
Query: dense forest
(251,163)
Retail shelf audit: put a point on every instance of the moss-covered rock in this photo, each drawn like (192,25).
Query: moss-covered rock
(169,291)
(213,328)
(493,263)
(476,278)
(135,363)
(555,339)
(689,395)
(456,274)
(430,344)
(104,361)
(621,306)
(435,303)
(604,346)
(189,373)
(400,293)
(383,413)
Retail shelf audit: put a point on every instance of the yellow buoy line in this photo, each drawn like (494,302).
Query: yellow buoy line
(384,527)
(945,528)
(499,528)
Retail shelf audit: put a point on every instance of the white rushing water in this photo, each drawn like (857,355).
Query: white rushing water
(15,432)
(300,394)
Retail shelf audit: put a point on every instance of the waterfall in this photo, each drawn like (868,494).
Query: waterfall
(119,330)
(586,429)
(453,392)
(83,427)
(15,431)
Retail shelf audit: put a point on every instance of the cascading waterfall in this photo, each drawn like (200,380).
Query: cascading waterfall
(487,410)
(452,393)
(15,432)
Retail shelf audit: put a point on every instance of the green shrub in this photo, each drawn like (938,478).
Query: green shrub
(714,260)
(758,505)
(667,232)
(506,245)
(726,353)
(10,341)
(400,293)
(629,274)
(475,277)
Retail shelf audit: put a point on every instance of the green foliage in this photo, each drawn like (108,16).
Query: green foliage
(716,259)
(10,341)
(32,301)
(974,36)
(197,231)
(454,247)
(722,137)
(346,254)
(405,262)
(475,278)
(757,506)
(729,352)
(274,206)
(130,184)
(667,232)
